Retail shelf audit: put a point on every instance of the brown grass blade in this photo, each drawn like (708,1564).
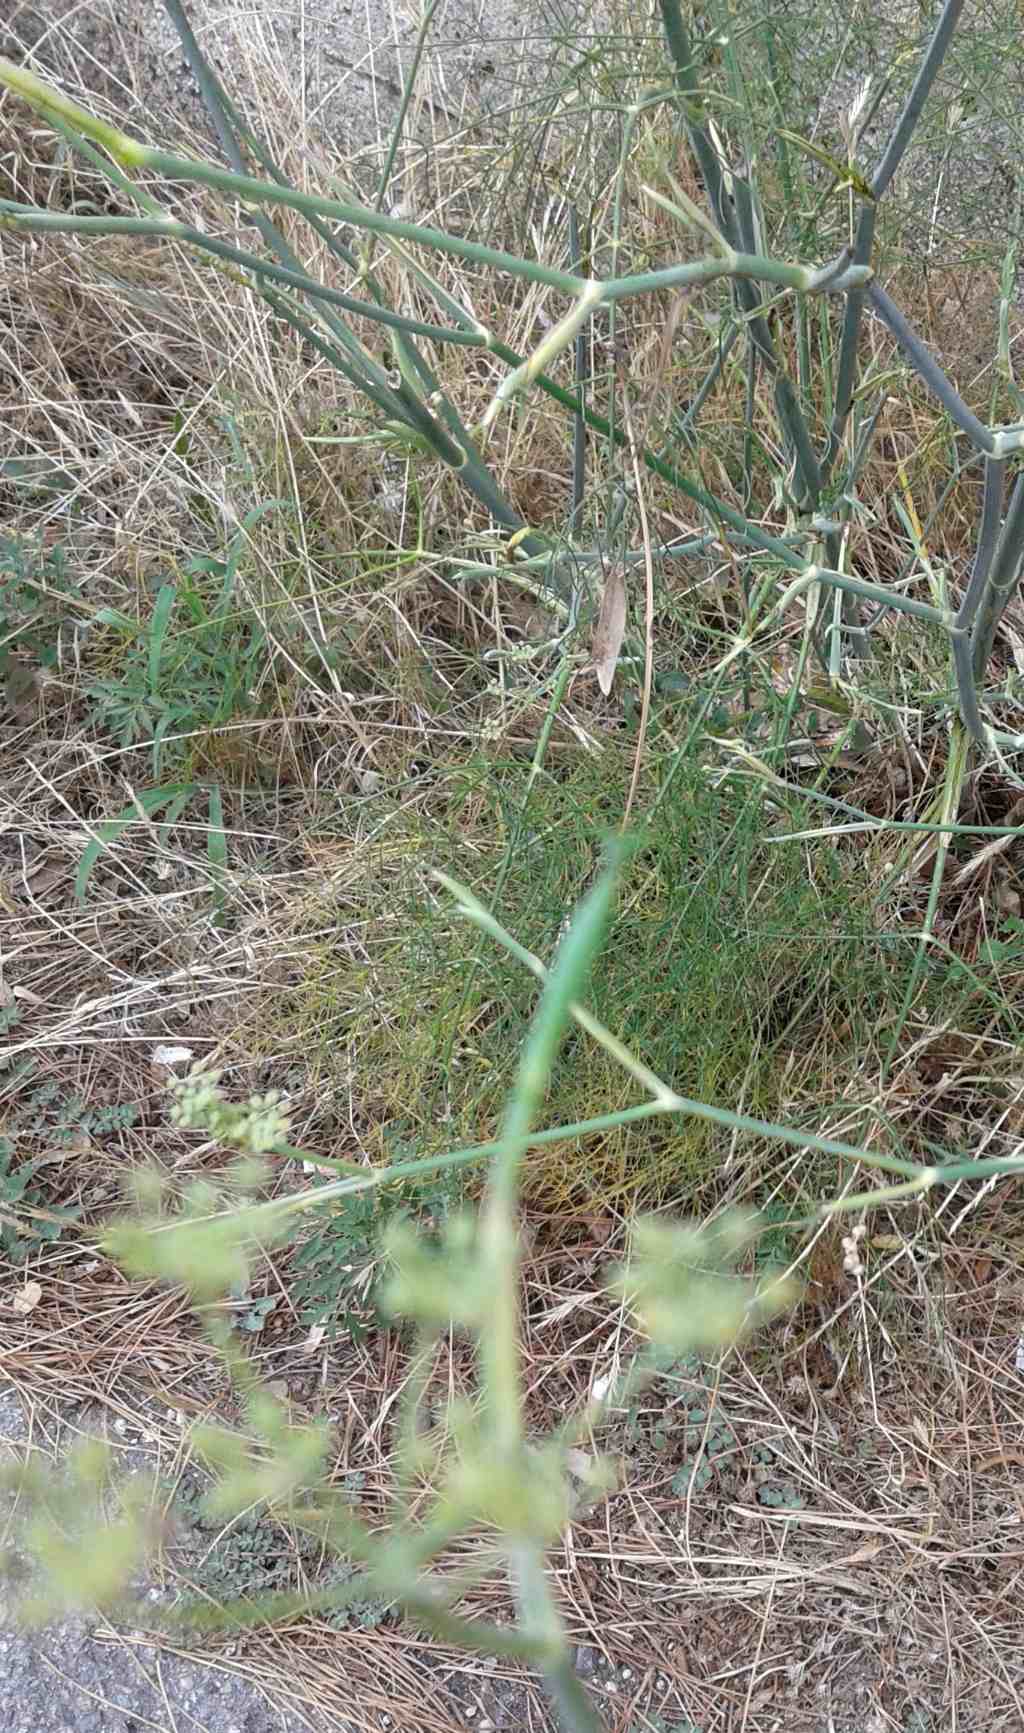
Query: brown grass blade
(610,628)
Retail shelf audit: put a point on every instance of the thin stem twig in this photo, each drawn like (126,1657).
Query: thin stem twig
(645,531)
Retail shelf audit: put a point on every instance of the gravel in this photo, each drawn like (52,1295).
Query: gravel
(65,1681)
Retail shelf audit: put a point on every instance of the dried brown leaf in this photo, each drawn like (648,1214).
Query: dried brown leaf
(26,1299)
(610,628)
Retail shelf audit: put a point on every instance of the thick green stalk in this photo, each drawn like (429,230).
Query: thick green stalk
(129,150)
(707,385)
(846,375)
(794,424)
(735,219)
(499,1346)
(472,470)
(746,532)
(251,191)
(581,367)
(254,193)
(967,687)
(977,590)
(370,382)
(538,1618)
(1001,583)
(404,403)
(405,407)
(499,1329)
(576,402)
(864,242)
(924,363)
(988,537)
(244,186)
(753,266)
(814,574)
(27,218)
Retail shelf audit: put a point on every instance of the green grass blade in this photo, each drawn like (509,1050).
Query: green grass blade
(217,852)
(403,107)
(145,805)
(167,595)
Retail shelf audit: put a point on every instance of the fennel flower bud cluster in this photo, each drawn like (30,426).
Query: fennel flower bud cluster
(257,1125)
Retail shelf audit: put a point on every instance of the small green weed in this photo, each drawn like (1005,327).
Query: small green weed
(773,1492)
(699,1432)
(705,1439)
(776,1243)
(708,1436)
(50,1113)
(333,1279)
(246,1557)
(34,585)
(189,670)
(363,1613)
(782,1497)
(252,1555)
(1002,951)
(46,1114)
(988,989)
(22,1229)
(196,662)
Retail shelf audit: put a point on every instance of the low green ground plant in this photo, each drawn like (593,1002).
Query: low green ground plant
(179,678)
(723,930)
(43,1123)
(35,607)
(337,1272)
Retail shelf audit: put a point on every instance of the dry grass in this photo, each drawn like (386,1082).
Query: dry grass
(887,1406)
